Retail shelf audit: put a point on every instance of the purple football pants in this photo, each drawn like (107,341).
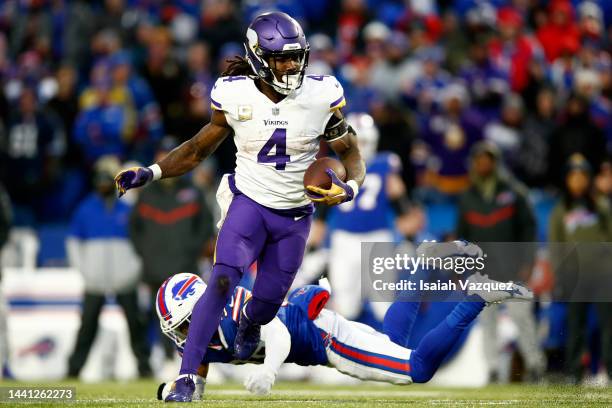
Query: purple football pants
(276,239)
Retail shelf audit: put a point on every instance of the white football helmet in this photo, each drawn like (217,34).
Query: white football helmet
(367,133)
(174,304)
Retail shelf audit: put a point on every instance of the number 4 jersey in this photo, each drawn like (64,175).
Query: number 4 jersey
(276,142)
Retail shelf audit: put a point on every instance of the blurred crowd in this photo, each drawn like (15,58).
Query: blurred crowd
(88,82)
(84,79)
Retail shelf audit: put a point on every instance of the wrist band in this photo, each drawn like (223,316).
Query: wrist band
(157,173)
(354,186)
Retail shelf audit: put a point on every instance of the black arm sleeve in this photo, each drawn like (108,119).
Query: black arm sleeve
(336,128)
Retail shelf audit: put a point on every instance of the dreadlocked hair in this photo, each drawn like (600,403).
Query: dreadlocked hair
(238,66)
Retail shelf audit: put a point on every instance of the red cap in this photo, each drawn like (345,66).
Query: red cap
(563,6)
(509,16)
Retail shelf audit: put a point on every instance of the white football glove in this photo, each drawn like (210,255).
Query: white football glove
(260,381)
(165,388)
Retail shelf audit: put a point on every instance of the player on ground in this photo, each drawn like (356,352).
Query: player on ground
(277,116)
(305,333)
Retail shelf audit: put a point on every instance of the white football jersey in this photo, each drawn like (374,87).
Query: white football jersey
(276,142)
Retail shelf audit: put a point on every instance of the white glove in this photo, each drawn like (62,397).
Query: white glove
(260,381)
(200,383)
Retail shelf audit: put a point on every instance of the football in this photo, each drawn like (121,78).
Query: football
(316,176)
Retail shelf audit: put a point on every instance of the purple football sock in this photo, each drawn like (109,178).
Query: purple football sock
(207,315)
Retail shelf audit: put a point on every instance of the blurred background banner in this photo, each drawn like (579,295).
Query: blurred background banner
(43,319)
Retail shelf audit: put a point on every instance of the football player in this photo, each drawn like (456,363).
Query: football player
(382,205)
(306,334)
(277,116)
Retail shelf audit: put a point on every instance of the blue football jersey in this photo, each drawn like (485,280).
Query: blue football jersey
(307,346)
(371,210)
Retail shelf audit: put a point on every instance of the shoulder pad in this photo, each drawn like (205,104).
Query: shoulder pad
(311,299)
(330,89)
(224,91)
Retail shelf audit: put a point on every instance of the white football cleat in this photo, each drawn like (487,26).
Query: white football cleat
(433,249)
(492,291)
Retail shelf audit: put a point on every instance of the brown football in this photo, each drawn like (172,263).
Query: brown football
(316,176)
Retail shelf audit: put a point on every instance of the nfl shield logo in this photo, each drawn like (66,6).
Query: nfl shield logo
(275,111)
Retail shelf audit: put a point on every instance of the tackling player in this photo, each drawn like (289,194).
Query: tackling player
(277,116)
(306,334)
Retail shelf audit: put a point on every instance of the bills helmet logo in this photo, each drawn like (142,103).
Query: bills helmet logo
(184,288)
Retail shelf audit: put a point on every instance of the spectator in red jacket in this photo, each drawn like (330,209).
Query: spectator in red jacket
(560,32)
(512,51)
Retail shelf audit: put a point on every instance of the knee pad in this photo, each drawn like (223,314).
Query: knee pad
(224,278)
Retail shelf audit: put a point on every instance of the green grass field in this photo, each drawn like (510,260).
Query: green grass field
(142,394)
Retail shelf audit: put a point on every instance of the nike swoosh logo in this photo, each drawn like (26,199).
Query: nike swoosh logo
(299,217)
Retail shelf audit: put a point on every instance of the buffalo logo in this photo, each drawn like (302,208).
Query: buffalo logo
(41,348)
(184,288)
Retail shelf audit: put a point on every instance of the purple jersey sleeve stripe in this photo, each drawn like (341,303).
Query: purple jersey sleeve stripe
(336,102)
(216,104)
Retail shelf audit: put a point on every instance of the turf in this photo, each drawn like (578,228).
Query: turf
(142,394)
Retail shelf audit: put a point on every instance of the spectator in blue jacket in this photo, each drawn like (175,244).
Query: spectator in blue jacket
(99,247)
(104,127)
(149,127)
